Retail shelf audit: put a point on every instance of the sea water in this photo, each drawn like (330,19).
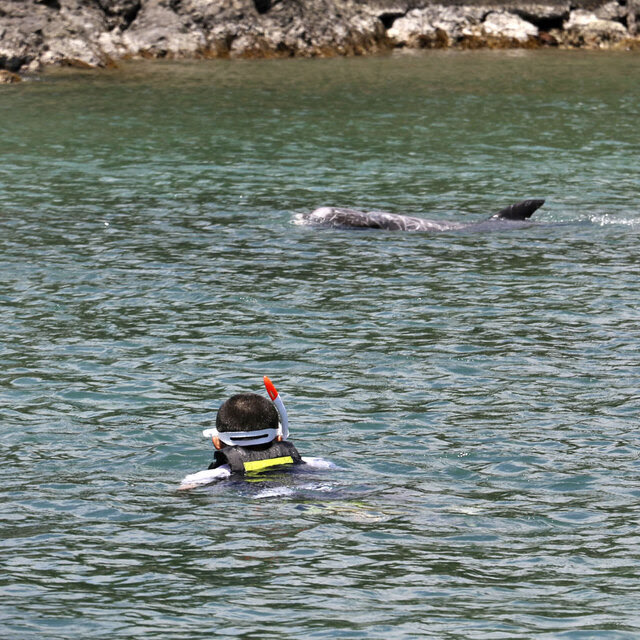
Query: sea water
(477,391)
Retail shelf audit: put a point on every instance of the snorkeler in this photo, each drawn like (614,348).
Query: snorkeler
(251,434)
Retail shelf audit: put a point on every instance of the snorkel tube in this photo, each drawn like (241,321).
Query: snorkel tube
(277,400)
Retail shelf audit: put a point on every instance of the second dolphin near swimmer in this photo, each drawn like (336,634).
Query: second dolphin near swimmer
(515,215)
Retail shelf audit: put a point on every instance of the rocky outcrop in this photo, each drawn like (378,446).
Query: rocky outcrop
(438,26)
(97,33)
(516,25)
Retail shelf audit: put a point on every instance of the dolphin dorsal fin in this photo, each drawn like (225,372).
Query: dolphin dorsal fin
(519,211)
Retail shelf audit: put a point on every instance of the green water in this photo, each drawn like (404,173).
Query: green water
(479,392)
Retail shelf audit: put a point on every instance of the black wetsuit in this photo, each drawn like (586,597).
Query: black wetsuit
(256,458)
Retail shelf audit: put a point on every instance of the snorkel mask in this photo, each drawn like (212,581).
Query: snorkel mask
(259,436)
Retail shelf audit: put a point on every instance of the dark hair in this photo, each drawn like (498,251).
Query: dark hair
(246,412)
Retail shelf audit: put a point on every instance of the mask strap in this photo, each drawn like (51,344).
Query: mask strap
(242,438)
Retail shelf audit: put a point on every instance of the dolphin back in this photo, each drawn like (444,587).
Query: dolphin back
(353,219)
(519,211)
(342,218)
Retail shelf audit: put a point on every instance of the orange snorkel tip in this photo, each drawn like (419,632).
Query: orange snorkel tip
(271,390)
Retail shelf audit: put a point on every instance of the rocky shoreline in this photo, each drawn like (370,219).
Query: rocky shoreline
(99,33)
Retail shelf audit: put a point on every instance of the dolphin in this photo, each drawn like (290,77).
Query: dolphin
(342,218)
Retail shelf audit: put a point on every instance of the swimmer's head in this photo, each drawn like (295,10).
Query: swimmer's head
(246,419)
(246,412)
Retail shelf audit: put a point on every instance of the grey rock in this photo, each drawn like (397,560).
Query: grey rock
(436,26)
(159,31)
(633,16)
(611,11)
(509,26)
(21,36)
(585,28)
(36,33)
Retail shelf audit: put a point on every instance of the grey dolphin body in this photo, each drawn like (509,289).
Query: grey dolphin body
(342,218)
